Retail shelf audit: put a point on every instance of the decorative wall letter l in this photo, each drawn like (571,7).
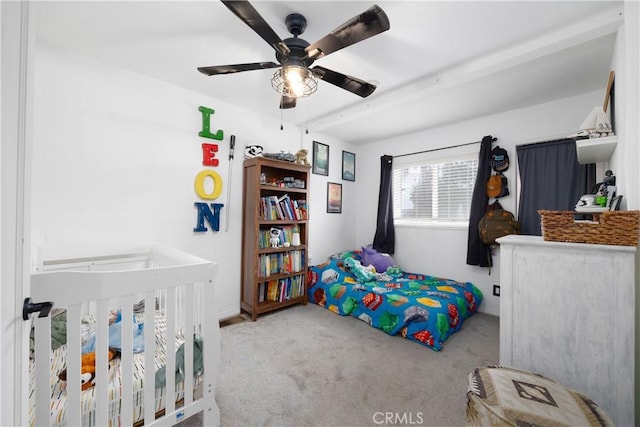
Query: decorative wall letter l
(206,133)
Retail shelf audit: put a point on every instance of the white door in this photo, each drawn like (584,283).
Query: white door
(17,83)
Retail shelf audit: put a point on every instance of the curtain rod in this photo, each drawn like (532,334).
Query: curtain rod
(437,149)
(562,139)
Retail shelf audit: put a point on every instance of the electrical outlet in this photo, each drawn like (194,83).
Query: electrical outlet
(496,290)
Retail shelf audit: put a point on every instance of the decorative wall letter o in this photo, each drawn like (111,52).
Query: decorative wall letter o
(217,184)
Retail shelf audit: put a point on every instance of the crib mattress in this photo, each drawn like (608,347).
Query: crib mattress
(88,402)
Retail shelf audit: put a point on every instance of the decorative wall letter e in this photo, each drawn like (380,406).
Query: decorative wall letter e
(209,155)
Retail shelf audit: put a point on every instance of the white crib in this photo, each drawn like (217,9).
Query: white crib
(177,286)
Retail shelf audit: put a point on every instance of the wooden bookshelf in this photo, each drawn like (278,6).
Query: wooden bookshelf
(275,195)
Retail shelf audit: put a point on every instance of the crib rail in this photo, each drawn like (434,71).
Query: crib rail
(176,284)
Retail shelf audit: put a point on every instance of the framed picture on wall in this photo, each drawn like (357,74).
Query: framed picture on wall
(320,158)
(334,197)
(348,166)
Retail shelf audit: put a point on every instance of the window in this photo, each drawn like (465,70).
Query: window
(436,190)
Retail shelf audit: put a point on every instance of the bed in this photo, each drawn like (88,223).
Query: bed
(104,305)
(419,307)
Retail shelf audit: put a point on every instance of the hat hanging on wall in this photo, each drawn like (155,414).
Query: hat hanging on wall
(499,160)
(497,186)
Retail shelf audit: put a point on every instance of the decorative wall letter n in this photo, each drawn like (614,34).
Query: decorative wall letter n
(213,218)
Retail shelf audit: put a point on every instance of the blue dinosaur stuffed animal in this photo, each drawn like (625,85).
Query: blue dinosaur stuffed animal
(362,273)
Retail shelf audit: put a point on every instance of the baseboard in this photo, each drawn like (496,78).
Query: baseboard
(490,311)
(228,314)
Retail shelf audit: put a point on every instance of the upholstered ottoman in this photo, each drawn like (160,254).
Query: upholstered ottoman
(500,396)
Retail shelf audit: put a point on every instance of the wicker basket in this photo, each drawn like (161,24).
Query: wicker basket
(618,228)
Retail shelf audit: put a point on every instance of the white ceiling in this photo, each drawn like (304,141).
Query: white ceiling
(441,61)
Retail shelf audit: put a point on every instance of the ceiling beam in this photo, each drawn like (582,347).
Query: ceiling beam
(567,37)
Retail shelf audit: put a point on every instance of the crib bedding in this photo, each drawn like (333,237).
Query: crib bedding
(58,387)
(419,307)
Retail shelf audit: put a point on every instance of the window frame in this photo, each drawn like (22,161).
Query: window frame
(425,158)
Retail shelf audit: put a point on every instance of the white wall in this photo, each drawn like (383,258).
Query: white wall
(330,233)
(442,252)
(115,156)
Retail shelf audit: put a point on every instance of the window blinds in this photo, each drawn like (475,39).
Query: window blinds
(434,190)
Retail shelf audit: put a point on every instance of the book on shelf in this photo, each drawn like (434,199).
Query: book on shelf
(284,204)
(281,289)
(301,208)
(276,208)
(280,263)
(273,208)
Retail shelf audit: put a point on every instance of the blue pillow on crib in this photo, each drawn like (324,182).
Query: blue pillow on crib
(379,260)
(115,336)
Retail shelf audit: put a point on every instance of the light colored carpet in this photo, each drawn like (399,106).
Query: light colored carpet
(305,366)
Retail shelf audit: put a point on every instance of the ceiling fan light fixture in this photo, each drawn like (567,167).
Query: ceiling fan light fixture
(293,78)
(294,81)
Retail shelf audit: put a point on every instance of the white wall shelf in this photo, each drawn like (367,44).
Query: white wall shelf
(596,150)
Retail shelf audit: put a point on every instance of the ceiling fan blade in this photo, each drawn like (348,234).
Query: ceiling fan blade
(236,68)
(287,102)
(369,23)
(352,84)
(247,13)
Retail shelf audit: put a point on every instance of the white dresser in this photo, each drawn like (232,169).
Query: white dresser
(567,311)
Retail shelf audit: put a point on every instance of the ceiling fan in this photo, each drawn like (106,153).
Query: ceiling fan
(295,78)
